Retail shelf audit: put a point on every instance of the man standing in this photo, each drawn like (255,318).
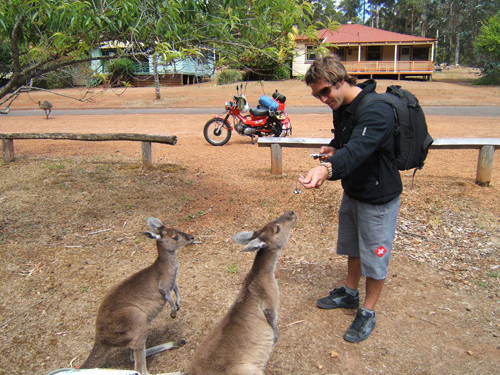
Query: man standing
(360,155)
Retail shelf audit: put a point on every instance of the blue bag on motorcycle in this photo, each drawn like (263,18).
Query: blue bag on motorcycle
(269,103)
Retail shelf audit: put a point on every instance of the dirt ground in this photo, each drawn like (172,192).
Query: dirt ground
(71,214)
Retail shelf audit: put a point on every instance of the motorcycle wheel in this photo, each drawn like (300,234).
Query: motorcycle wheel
(275,126)
(217,132)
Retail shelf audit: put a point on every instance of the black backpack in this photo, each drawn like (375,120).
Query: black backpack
(412,140)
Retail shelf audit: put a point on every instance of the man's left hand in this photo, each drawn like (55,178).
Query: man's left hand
(315,177)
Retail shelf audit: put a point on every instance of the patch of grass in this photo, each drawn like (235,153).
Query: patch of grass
(232,268)
(194,216)
(55,166)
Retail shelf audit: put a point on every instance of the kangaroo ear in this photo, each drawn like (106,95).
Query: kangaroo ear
(243,237)
(154,236)
(154,223)
(254,245)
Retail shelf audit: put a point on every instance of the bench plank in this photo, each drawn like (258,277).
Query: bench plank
(145,139)
(169,139)
(464,143)
(294,142)
(486,147)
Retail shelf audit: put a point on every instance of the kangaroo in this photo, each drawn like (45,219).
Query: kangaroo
(46,106)
(125,311)
(242,340)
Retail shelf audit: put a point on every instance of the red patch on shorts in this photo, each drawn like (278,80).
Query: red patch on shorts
(380,251)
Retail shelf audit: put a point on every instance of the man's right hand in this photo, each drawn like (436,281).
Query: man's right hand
(328,150)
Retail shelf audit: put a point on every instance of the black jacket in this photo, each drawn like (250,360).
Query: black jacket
(362,160)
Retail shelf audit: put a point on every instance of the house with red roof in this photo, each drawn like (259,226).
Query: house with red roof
(368,52)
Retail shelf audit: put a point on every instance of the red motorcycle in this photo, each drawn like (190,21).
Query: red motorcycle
(267,119)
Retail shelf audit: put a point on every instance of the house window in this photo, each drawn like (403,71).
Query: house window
(374,53)
(310,53)
(420,54)
(341,52)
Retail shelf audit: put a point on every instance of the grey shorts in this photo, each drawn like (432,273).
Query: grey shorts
(367,231)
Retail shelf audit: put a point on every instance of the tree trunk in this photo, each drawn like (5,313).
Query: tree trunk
(437,46)
(371,15)
(457,50)
(424,25)
(412,23)
(378,16)
(157,81)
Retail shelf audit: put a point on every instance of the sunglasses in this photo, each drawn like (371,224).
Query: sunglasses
(325,91)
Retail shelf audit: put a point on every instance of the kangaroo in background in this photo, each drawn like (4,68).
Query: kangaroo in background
(46,106)
(125,311)
(241,342)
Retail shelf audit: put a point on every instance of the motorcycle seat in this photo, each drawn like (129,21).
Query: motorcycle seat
(259,111)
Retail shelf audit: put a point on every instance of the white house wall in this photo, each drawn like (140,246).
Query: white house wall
(299,60)
(96,65)
(187,66)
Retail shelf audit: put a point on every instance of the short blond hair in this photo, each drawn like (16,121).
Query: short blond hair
(329,69)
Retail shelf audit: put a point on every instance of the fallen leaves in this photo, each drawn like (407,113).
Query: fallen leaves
(32,268)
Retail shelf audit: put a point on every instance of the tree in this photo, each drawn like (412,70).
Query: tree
(325,11)
(42,36)
(351,9)
(488,50)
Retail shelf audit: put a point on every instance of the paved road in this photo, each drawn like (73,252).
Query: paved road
(429,110)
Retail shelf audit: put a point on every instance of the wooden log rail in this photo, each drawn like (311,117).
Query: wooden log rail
(486,147)
(145,139)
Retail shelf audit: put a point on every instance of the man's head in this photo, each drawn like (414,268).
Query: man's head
(330,82)
(328,69)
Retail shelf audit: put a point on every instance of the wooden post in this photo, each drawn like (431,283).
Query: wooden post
(147,161)
(276,159)
(485,165)
(8,150)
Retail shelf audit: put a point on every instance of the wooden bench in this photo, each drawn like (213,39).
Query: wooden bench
(486,146)
(146,139)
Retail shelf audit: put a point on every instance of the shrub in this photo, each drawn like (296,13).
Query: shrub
(123,66)
(490,77)
(228,76)
(282,72)
(122,70)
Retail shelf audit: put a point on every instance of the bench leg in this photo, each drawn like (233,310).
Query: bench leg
(147,161)
(276,159)
(485,165)
(8,150)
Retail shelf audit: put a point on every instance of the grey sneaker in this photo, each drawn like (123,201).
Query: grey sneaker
(361,327)
(339,298)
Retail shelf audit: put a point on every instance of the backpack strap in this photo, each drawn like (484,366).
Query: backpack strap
(369,99)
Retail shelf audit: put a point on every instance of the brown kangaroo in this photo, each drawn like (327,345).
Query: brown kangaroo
(46,106)
(241,342)
(123,316)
